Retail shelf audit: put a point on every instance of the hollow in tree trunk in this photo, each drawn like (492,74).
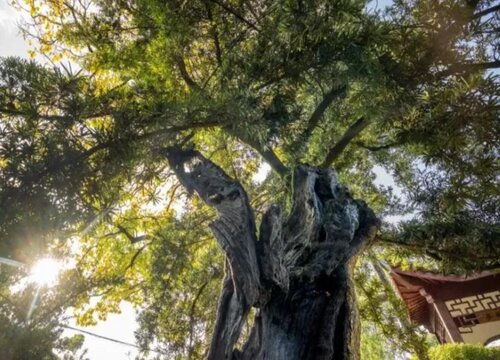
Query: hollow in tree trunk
(295,273)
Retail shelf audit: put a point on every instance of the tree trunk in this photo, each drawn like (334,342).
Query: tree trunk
(296,273)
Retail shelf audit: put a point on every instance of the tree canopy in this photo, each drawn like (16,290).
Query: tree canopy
(412,89)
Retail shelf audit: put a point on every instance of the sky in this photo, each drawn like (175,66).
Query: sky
(117,326)
(11,44)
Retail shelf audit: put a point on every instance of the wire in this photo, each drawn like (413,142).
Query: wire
(10,262)
(108,338)
(15,263)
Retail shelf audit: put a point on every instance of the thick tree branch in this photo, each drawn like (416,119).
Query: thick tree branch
(448,241)
(348,136)
(269,156)
(235,232)
(150,135)
(334,93)
(234,229)
(231,314)
(273,161)
(181,64)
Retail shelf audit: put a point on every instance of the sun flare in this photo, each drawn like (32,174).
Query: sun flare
(45,272)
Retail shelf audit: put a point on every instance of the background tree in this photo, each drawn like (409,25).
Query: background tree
(28,334)
(285,82)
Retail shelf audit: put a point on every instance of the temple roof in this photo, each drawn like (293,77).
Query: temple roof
(419,289)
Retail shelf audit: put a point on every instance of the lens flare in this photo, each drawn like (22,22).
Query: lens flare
(45,272)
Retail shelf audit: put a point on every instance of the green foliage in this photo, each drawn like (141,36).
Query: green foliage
(373,344)
(386,328)
(33,334)
(463,352)
(246,83)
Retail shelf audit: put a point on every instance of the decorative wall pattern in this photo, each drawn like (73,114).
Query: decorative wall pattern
(473,310)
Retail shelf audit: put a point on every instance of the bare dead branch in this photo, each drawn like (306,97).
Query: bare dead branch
(234,228)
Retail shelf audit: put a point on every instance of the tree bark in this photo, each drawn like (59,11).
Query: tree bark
(296,273)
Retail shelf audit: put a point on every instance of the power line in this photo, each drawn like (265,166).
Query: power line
(15,263)
(108,338)
(100,336)
(11,262)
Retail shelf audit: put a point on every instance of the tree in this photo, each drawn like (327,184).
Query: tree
(26,337)
(216,87)
(296,274)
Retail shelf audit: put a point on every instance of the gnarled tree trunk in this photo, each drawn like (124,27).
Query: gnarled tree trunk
(296,273)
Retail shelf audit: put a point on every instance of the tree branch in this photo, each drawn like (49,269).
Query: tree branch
(469,67)
(377,147)
(232,11)
(192,319)
(339,147)
(234,228)
(486,12)
(215,36)
(446,245)
(235,232)
(231,315)
(181,64)
(269,156)
(334,93)
(133,239)
(75,159)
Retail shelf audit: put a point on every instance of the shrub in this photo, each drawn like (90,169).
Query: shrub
(463,352)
